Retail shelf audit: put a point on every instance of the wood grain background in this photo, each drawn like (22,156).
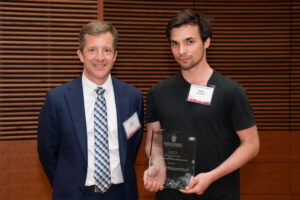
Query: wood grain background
(256,42)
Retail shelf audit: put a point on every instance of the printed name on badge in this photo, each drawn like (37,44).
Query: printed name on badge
(201,94)
(131,125)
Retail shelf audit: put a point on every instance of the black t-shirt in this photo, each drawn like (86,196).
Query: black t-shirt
(214,124)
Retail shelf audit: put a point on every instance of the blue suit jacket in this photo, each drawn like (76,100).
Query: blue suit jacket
(62,138)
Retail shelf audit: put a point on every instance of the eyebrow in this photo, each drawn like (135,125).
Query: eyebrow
(186,39)
(189,38)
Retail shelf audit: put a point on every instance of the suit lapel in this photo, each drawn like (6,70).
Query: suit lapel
(122,107)
(75,101)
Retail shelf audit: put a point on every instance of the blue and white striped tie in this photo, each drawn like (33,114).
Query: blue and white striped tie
(102,167)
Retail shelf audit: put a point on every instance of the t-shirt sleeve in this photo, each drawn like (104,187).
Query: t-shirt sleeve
(241,115)
(151,113)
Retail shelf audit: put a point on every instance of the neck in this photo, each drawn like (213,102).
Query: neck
(198,75)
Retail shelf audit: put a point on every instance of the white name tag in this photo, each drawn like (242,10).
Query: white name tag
(201,94)
(131,125)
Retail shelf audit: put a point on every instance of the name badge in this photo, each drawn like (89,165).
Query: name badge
(201,94)
(131,125)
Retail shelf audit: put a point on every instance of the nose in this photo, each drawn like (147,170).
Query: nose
(182,50)
(99,55)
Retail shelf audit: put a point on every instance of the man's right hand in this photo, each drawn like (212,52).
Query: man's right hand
(154,178)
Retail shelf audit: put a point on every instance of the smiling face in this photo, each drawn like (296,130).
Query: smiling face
(187,47)
(98,57)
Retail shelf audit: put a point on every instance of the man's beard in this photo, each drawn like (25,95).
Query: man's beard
(187,66)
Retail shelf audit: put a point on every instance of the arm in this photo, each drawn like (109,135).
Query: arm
(48,138)
(158,139)
(154,176)
(249,147)
(139,107)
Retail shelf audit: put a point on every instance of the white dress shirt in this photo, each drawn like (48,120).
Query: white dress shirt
(89,94)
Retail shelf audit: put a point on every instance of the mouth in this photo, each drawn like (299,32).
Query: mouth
(99,65)
(184,60)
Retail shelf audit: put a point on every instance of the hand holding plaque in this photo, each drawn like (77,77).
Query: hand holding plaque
(156,173)
(175,151)
(154,178)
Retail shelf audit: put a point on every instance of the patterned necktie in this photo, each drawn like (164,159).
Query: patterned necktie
(102,167)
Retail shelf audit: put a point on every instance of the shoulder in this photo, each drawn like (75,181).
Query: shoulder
(228,90)
(164,85)
(75,83)
(125,86)
(222,79)
(225,83)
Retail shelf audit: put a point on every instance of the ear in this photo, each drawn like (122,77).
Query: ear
(207,43)
(115,56)
(79,54)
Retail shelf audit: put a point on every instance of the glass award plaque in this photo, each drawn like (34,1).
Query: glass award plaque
(177,148)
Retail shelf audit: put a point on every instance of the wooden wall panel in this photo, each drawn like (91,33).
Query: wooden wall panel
(275,146)
(295,179)
(254,42)
(295,101)
(38,44)
(265,179)
(295,146)
(266,197)
(251,44)
(295,66)
(144,57)
(21,175)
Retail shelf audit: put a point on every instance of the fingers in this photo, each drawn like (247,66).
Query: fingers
(152,186)
(190,191)
(145,178)
(191,187)
(192,183)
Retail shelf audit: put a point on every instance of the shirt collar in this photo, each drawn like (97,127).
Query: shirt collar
(90,87)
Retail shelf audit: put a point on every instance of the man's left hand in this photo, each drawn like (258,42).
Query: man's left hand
(198,184)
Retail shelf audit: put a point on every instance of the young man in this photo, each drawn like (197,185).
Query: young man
(90,128)
(199,99)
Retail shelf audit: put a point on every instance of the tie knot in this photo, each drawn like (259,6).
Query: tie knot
(100,91)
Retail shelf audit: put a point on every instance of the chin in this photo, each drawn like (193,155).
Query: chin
(186,67)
